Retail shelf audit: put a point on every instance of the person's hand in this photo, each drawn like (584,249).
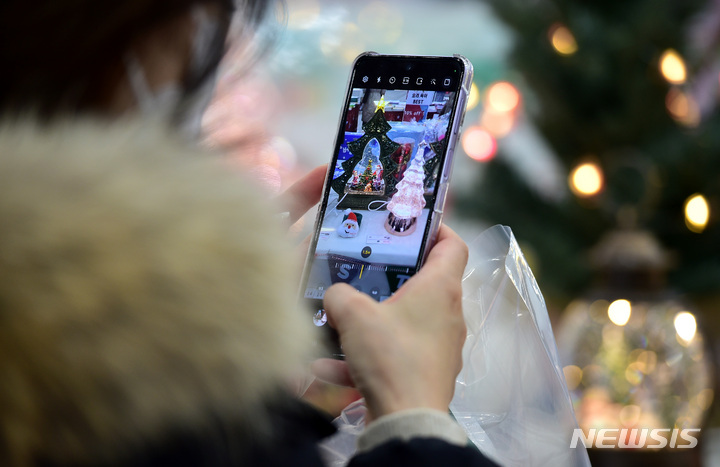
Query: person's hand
(406,351)
(303,194)
(299,198)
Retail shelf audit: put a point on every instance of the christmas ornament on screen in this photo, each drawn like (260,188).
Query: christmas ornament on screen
(367,175)
(401,156)
(408,202)
(350,225)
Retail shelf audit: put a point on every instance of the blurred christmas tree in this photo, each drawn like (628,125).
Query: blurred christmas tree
(630,88)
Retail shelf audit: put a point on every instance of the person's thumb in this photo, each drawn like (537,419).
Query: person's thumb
(344,306)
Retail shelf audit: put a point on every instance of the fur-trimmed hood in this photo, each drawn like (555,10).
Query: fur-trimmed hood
(142,285)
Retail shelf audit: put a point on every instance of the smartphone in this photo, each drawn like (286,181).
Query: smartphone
(388,177)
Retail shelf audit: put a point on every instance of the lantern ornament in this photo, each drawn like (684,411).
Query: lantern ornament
(633,354)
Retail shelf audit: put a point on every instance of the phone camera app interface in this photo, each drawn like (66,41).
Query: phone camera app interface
(383,186)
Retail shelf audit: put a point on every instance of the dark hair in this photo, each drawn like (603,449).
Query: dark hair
(61,56)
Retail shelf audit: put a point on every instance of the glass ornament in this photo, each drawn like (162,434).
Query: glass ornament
(408,202)
(367,176)
(634,356)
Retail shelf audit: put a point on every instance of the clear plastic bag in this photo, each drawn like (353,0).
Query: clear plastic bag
(337,450)
(510,396)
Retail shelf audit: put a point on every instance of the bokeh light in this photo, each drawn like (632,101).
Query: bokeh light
(474,97)
(479,144)
(498,124)
(503,97)
(637,371)
(682,108)
(634,373)
(647,360)
(562,40)
(573,376)
(586,179)
(619,312)
(630,415)
(685,326)
(704,399)
(697,213)
(672,67)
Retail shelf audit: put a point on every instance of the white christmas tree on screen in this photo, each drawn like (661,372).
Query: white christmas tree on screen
(407,203)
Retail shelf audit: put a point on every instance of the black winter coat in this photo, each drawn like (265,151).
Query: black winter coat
(297,430)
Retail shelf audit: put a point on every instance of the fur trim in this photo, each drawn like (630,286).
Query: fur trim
(143,286)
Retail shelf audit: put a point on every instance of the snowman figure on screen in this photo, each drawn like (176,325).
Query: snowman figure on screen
(350,225)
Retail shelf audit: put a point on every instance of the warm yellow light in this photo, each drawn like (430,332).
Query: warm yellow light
(573,376)
(648,361)
(672,67)
(619,312)
(474,97)
(562,40)
(498,124)
(478,144)
(697,213)
(685,326)
(634,373)
(586,179)
(503,97)
(682,108)
(705,398)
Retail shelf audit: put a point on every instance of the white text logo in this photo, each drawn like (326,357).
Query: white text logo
(657,438)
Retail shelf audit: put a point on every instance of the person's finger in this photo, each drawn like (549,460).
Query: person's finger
(441,272)
(303,194)
(332,371)
(344,305)
(449,254)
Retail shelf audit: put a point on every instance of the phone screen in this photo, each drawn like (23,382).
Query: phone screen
(376,215)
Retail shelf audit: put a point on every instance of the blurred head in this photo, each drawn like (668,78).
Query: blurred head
(86,56)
